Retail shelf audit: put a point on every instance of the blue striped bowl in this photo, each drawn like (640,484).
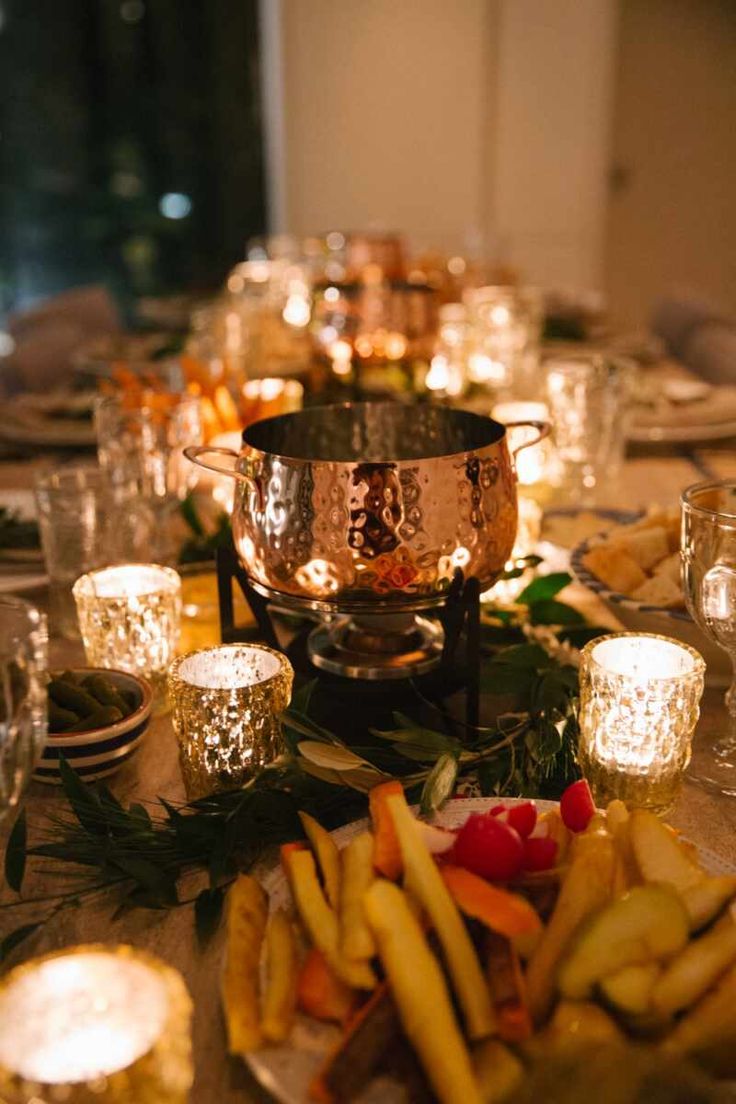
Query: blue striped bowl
(642,617)
(101,751)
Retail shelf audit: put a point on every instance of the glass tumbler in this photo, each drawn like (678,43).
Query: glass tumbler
(23,659)
(130,617)
(505,328)
(85,522)
(588,398)
(639,704)
(226,704)
(144,446)
(708,552)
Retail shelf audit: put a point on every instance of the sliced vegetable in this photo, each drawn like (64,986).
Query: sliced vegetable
(356,940)
(575,1027)
(319,919)
(707,898)
(658,854)
(327,854)
(247,911)
(503,912)
(489,847)
(369,1034)
(540,853)
(386,850)
(508,990)
(424,881)
(647,924)
(320,992)
(282,972)
(420,992)
(690,975)
(551,822)
(710,1026)
(586,888)
(630,990)
(577,807)
(498,1070)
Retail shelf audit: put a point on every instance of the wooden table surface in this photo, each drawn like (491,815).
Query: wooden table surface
(709,820)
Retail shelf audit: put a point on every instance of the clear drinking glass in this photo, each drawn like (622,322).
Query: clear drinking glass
(505,328)
(588,398)
(85,522)
(23,658)
(144,446)
(708,553)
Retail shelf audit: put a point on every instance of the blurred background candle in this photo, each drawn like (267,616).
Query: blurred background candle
(95,1025)
(226,705)
(535,464)
(639,704)
(129,616)
(267,398)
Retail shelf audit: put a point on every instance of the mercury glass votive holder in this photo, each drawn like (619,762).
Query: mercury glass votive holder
(226,704)
(95,1024)
(130,618)
(639,704)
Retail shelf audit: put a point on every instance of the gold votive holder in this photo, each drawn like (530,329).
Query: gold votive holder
(226,704)
(95,1024)
(130,617)
(639,704)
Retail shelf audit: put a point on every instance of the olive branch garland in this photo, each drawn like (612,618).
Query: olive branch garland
(157,854)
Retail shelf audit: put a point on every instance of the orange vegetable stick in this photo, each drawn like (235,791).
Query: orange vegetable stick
(348,1055)
(321,993)
(507,913)
(285,850)
(386,849)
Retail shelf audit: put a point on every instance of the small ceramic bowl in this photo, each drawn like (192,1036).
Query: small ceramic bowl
(101,751)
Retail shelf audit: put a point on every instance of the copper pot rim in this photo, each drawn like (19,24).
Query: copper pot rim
(495,431)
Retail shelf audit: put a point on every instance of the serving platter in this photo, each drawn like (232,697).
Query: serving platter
(286,1071)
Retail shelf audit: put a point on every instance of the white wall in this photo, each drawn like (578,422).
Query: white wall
(469,124)
(387,116)
(555,97)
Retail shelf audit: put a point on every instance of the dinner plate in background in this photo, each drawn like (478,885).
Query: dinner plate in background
(286,1071)
(54,420)
(638,616)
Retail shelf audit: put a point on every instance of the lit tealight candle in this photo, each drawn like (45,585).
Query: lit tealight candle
(130,618)
(226,705)
(639,704)
(109,1024)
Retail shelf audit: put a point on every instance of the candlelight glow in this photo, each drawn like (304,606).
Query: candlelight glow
(533,464)
(72,1019)
(639,704)
(482,369)
(226,704)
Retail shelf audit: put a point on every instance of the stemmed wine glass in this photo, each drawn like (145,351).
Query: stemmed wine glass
(708,553)
(23,644)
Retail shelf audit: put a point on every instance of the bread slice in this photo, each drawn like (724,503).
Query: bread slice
(660,591)
(670,568)
(647,546)
(615,567)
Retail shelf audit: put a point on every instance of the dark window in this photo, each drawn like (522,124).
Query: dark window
(131,150)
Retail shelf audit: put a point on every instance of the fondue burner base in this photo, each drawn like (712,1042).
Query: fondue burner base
(392,646)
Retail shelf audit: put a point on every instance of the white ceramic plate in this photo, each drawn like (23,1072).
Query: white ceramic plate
(286,1071)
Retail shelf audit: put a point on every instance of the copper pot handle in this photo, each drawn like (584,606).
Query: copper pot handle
(195,452)
(543,428)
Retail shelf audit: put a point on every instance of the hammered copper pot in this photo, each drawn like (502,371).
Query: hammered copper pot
(371,507)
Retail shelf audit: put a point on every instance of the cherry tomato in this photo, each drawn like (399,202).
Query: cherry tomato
(522,817)
(577,806)
(489,847)
(540,853)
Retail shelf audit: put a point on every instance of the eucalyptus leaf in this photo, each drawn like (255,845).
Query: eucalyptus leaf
(139,813)
(532,656)
(329,757)
(305,726)
(207,913)
(14,938)
(544,586)
(439,785)
(15,853)
(504,678)
(579,636)
(548,611)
